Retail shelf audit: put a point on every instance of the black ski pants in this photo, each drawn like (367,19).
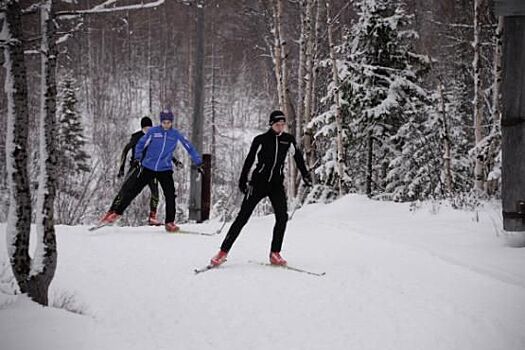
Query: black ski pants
(256,193)
(143,177)
(129,183)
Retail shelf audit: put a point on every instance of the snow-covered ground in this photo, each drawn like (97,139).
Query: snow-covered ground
(395,279)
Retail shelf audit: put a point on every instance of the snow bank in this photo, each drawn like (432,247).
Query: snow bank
(433,278)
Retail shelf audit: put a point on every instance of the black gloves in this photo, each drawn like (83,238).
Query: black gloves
(178,163)
(120,173)
(307,179)
(199,168)
(243,186)
(135,163)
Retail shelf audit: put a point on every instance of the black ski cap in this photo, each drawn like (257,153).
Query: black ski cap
(145,121)
(276,116)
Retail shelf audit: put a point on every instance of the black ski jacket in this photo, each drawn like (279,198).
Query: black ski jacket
(271,150)
(135,137)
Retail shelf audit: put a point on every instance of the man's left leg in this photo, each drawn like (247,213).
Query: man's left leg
(153,202)
(277,197)
(168,188)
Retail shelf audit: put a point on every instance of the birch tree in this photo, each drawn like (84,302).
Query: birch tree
(337,99)
(478,96)
(45,259)
(19,214)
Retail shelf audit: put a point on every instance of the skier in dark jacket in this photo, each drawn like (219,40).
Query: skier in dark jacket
(153,156)
(270,149)
(131,176)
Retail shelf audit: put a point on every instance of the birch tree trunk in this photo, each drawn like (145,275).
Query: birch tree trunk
(45,258)
(281,70)
(309,145)
(492,185)
(19,214)
(309,58)
(278,52)
(301,75)
(478,94)
(337,99)
(498,73)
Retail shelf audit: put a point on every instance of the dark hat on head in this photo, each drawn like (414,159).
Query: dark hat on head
(276,116)
(145,121)
(166,115)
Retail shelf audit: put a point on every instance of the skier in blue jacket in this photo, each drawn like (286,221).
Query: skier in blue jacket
(154,152)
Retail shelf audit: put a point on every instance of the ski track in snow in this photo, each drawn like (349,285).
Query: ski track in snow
(395,280)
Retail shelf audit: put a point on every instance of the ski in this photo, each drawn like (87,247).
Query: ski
(98,226)
(204,269)
(187,232)
(288,267)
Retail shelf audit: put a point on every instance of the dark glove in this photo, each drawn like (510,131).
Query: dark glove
(199,168)
(120,173)
(307,179)
(178,163)
(243,186)
(135,163)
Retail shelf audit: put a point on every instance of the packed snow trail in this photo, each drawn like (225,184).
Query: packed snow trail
(395,279)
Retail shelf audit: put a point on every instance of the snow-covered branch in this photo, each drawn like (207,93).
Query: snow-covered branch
(102,8)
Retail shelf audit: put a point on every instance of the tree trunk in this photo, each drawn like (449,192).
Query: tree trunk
(337,100)
(478,95)
(309,144)
(369,164)
(278,51)
(213,111)
(45,258)
(301,75)
(308,95)
(19,214)
(498,73)
(285,100)
(495,146)
(446,141)
(198,114)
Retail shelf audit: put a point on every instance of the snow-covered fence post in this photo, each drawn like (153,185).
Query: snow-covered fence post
(513,116)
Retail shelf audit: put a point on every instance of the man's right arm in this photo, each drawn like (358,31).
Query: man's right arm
(124,155)
(248,162)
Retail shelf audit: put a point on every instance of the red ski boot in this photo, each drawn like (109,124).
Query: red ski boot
(277,259)
(219,258)
(152,219)
(171,227)
(109,218)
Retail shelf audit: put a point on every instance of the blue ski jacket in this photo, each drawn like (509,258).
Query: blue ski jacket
(155,149)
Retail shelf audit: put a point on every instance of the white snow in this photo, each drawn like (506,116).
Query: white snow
(432,278)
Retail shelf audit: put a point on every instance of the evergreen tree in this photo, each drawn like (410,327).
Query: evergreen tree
(72,158)
(385,102)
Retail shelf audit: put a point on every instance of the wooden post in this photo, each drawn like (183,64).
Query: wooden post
(206,187)
(513,117)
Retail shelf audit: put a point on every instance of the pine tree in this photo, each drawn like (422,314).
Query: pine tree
(386,103)
(73,158)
